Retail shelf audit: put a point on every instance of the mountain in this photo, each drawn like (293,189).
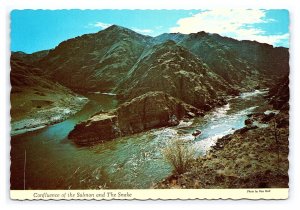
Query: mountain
(94,61)
(100,61)
(244,64)
(173,69)
(198,68)
(32,58)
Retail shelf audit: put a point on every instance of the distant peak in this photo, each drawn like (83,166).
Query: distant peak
(199,34)
(114,26)
(18,52)
(117,27)
(170,35)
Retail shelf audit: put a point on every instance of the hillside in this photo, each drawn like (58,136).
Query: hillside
(35,100)
(173,69)
(243,64)
(94,62)
(252,157)
(201,69)
(100,61)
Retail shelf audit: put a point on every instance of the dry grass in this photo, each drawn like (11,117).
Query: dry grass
(179,154)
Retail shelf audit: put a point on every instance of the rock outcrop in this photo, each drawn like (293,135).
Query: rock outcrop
(279,95)
(99,128)
(151,110)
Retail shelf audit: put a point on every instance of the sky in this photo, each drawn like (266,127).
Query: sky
(35,30)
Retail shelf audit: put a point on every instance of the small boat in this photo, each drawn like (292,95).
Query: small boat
(196,133)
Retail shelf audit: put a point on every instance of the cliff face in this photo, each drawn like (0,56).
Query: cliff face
(151,110)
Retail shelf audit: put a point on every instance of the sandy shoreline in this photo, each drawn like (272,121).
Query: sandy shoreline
(58,112)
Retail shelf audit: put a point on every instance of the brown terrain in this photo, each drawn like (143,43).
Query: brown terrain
(159,81)
(253,157)
(151,110)
(37,101)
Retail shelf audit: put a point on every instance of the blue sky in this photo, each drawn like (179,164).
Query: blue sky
(35,30)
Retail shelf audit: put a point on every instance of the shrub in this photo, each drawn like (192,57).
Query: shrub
(179,154)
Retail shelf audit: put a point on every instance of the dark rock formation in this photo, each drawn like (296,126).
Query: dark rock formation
(245,129)
(173,69)
(279,94)
(151,110)
(248,122)
(97,129)
(268,117)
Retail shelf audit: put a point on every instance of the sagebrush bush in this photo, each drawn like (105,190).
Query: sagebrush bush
(179,154)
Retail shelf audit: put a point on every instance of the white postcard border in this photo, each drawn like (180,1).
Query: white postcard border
(154,194)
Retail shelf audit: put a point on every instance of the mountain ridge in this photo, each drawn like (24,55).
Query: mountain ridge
(105,61)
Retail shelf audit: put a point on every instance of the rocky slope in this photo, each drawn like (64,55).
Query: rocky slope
(94,61)
(255,156)
(251,159)
(198,69)
(171,68)
(35,100)
(243,64)
(151,110)
(100,61)
(279,95)
(31,59)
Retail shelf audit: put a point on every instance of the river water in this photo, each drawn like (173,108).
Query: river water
(46,159)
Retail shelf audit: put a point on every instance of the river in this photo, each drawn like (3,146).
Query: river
(46,159)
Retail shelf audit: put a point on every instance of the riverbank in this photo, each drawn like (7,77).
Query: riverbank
(148,111)
(35,108)
(131,162)
(253,157)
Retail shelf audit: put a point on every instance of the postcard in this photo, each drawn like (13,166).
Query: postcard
(149,104)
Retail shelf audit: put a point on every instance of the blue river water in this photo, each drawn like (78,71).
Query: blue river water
(133,162)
